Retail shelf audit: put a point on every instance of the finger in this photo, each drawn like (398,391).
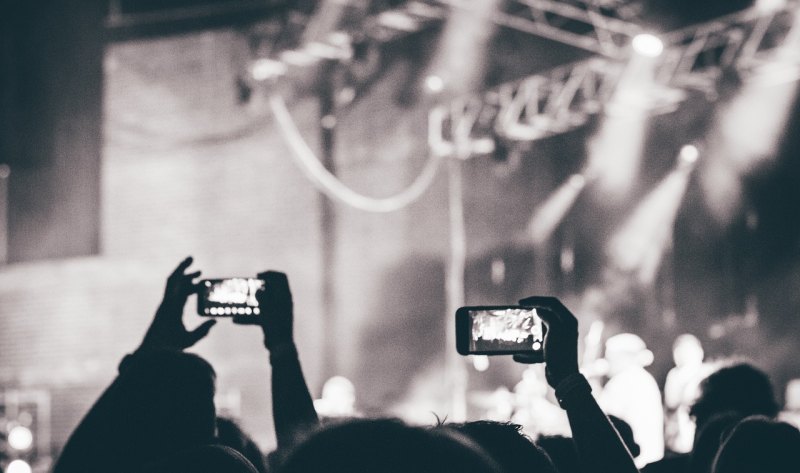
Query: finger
(528,359)
(201,331)
(183,265)
(193,275)
(246,320)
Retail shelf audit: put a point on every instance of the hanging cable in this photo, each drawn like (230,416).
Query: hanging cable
(331,186)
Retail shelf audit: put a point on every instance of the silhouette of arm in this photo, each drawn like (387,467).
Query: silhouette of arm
(98,443)
(292,405)
(599,445)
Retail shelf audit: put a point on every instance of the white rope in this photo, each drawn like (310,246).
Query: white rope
(330,185)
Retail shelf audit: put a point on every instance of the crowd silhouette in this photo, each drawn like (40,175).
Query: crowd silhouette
(158,415)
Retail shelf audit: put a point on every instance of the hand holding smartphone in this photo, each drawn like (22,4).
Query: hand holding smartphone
(500,330)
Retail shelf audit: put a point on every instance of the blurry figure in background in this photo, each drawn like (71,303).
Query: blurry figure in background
(734,391)
(632,394)
(681,390)
(535,412)
(338,399)
(791,410)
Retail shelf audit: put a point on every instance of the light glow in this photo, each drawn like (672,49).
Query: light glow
(18,466)
(647,45)
(20,437)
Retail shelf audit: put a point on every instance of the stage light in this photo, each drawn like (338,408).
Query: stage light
(459,60)
(265,69)
(647,45)
(18,466)
(689,154)
(20,438)
(434,83)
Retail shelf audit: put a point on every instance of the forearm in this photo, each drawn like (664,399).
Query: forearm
(598,443)
(292,406)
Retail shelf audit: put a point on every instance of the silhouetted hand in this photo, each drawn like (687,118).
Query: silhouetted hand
(560,339)
(167,330)
(276,310)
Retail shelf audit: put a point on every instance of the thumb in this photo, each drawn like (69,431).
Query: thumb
(201,331)
(529,359)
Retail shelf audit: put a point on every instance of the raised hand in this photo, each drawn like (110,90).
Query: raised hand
(560,339)
(276,310)
(167,330)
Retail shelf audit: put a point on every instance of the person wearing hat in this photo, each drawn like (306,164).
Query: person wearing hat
(632,394)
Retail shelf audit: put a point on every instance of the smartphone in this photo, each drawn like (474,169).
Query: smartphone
(229,297)
(499,330)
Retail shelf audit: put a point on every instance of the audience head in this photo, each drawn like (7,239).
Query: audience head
(508,445)
(168,403)
(386,445)
(687,350)
(562,452)
(625,351)
(626,434)
(709,438)
(760,444)
(231,435)
(202,459)
(740,387)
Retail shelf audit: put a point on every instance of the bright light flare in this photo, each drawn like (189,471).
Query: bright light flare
(18,466)
(639,245)
(648,45)
(689,154)
(459,60)
(549,215)
(434,83)
(20,438)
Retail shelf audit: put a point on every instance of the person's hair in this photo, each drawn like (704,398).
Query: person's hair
(388,446)
(709,438)
(562,452)
(740,387)
(508,445)
(759,444)
(167,403)
(202,459)
(231,435)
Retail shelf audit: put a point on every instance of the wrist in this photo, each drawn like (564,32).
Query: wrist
(281,350)
(571,387)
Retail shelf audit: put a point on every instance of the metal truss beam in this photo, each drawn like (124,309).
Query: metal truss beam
(563,98)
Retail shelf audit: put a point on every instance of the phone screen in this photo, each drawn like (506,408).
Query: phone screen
(229,297)
(499,330)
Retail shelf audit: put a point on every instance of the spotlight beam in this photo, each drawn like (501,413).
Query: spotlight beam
(548,215)
(639,245)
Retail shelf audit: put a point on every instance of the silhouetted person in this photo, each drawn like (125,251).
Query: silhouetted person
(292,406)
(740,387)
(203,459)
(387,446)
(161,402)
(508,445)
(708,440)
(598,444)
(562,452)
(231,435)
(760,444)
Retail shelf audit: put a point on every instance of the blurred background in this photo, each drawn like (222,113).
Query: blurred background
(397,159)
